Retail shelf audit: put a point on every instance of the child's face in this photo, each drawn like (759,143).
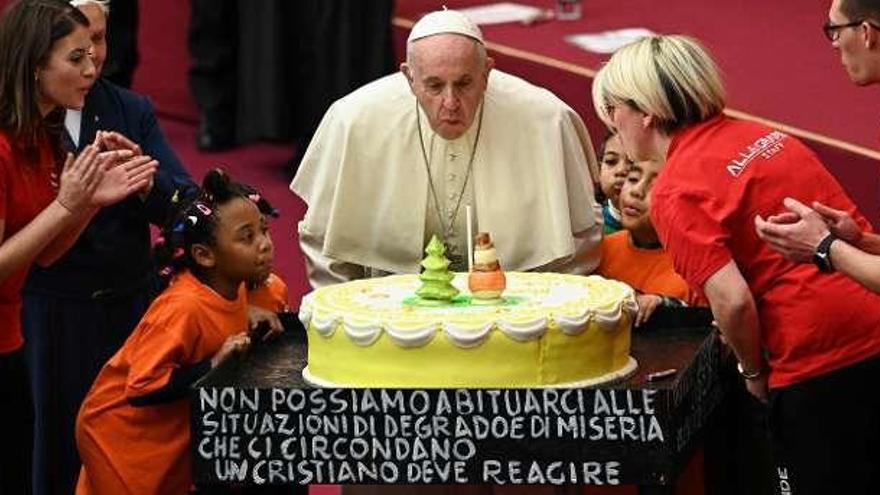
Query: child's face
(612,170)
(635,198)
(243,247)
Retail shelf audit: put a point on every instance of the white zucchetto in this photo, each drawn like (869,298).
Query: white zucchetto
(443,22)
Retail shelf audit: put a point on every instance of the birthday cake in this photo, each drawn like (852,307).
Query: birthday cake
(545,330)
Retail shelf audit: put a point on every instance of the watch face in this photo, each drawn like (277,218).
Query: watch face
(821,260)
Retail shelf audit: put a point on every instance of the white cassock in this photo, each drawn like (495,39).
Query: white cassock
(370,207)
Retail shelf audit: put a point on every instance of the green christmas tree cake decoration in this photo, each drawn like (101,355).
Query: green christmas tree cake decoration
(436,277)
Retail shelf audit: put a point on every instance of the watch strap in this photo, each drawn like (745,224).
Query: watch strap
(822,255)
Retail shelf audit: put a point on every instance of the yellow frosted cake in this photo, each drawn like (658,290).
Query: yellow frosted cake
(548,330)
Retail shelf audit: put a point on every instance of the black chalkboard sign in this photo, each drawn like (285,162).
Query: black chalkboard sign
(548,436)
(255,422)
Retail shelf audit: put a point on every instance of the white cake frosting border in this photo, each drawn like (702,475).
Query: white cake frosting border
(364,332)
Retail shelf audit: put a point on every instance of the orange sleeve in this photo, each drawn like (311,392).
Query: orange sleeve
(283,295)
(602,269)
(160,348)
(271,296)
(617,258)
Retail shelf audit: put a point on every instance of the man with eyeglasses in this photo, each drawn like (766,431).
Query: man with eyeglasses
(828,237)
(853,27)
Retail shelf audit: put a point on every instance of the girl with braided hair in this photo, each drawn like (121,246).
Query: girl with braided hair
(216,243)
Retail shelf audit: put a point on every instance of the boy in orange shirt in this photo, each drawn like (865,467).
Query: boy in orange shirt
(634,255)
(613,167)
(133,428)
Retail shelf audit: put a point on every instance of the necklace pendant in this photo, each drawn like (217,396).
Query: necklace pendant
(456,263)
(456,260)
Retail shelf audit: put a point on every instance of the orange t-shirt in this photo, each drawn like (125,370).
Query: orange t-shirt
(648,271)
(128,449)
(271,295)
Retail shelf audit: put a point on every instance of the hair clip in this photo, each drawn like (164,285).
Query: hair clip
(192,219)
(176,196)
(159,241)
(179,226)
(177,253)
(165,271)
(202,207)
(254,197)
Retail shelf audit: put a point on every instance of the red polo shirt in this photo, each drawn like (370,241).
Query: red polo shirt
(25,190)
(718,175)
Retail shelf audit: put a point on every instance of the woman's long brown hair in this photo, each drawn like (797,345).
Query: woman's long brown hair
(28,31)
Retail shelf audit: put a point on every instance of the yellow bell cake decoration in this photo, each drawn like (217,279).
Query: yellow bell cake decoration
(486,281)
(436,278)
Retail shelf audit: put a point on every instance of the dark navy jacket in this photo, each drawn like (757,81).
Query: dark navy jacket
(113,256)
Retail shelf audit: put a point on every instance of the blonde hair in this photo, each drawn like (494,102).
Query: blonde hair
(672,78)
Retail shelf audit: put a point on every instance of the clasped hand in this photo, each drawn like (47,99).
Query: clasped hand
(797,232)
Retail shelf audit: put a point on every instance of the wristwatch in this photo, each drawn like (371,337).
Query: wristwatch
(822,255)
(749,375)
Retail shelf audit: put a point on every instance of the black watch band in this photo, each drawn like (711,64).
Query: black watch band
(822,255)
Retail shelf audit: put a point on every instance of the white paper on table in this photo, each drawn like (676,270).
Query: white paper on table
(497,13)
(608,41)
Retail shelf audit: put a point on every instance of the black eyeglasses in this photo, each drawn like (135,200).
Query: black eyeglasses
(832,31)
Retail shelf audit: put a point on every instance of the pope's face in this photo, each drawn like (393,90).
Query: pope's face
(448,76)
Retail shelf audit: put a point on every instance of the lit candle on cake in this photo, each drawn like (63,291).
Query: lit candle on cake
(486,281)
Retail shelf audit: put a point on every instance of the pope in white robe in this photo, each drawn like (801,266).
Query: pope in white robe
(403,157)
